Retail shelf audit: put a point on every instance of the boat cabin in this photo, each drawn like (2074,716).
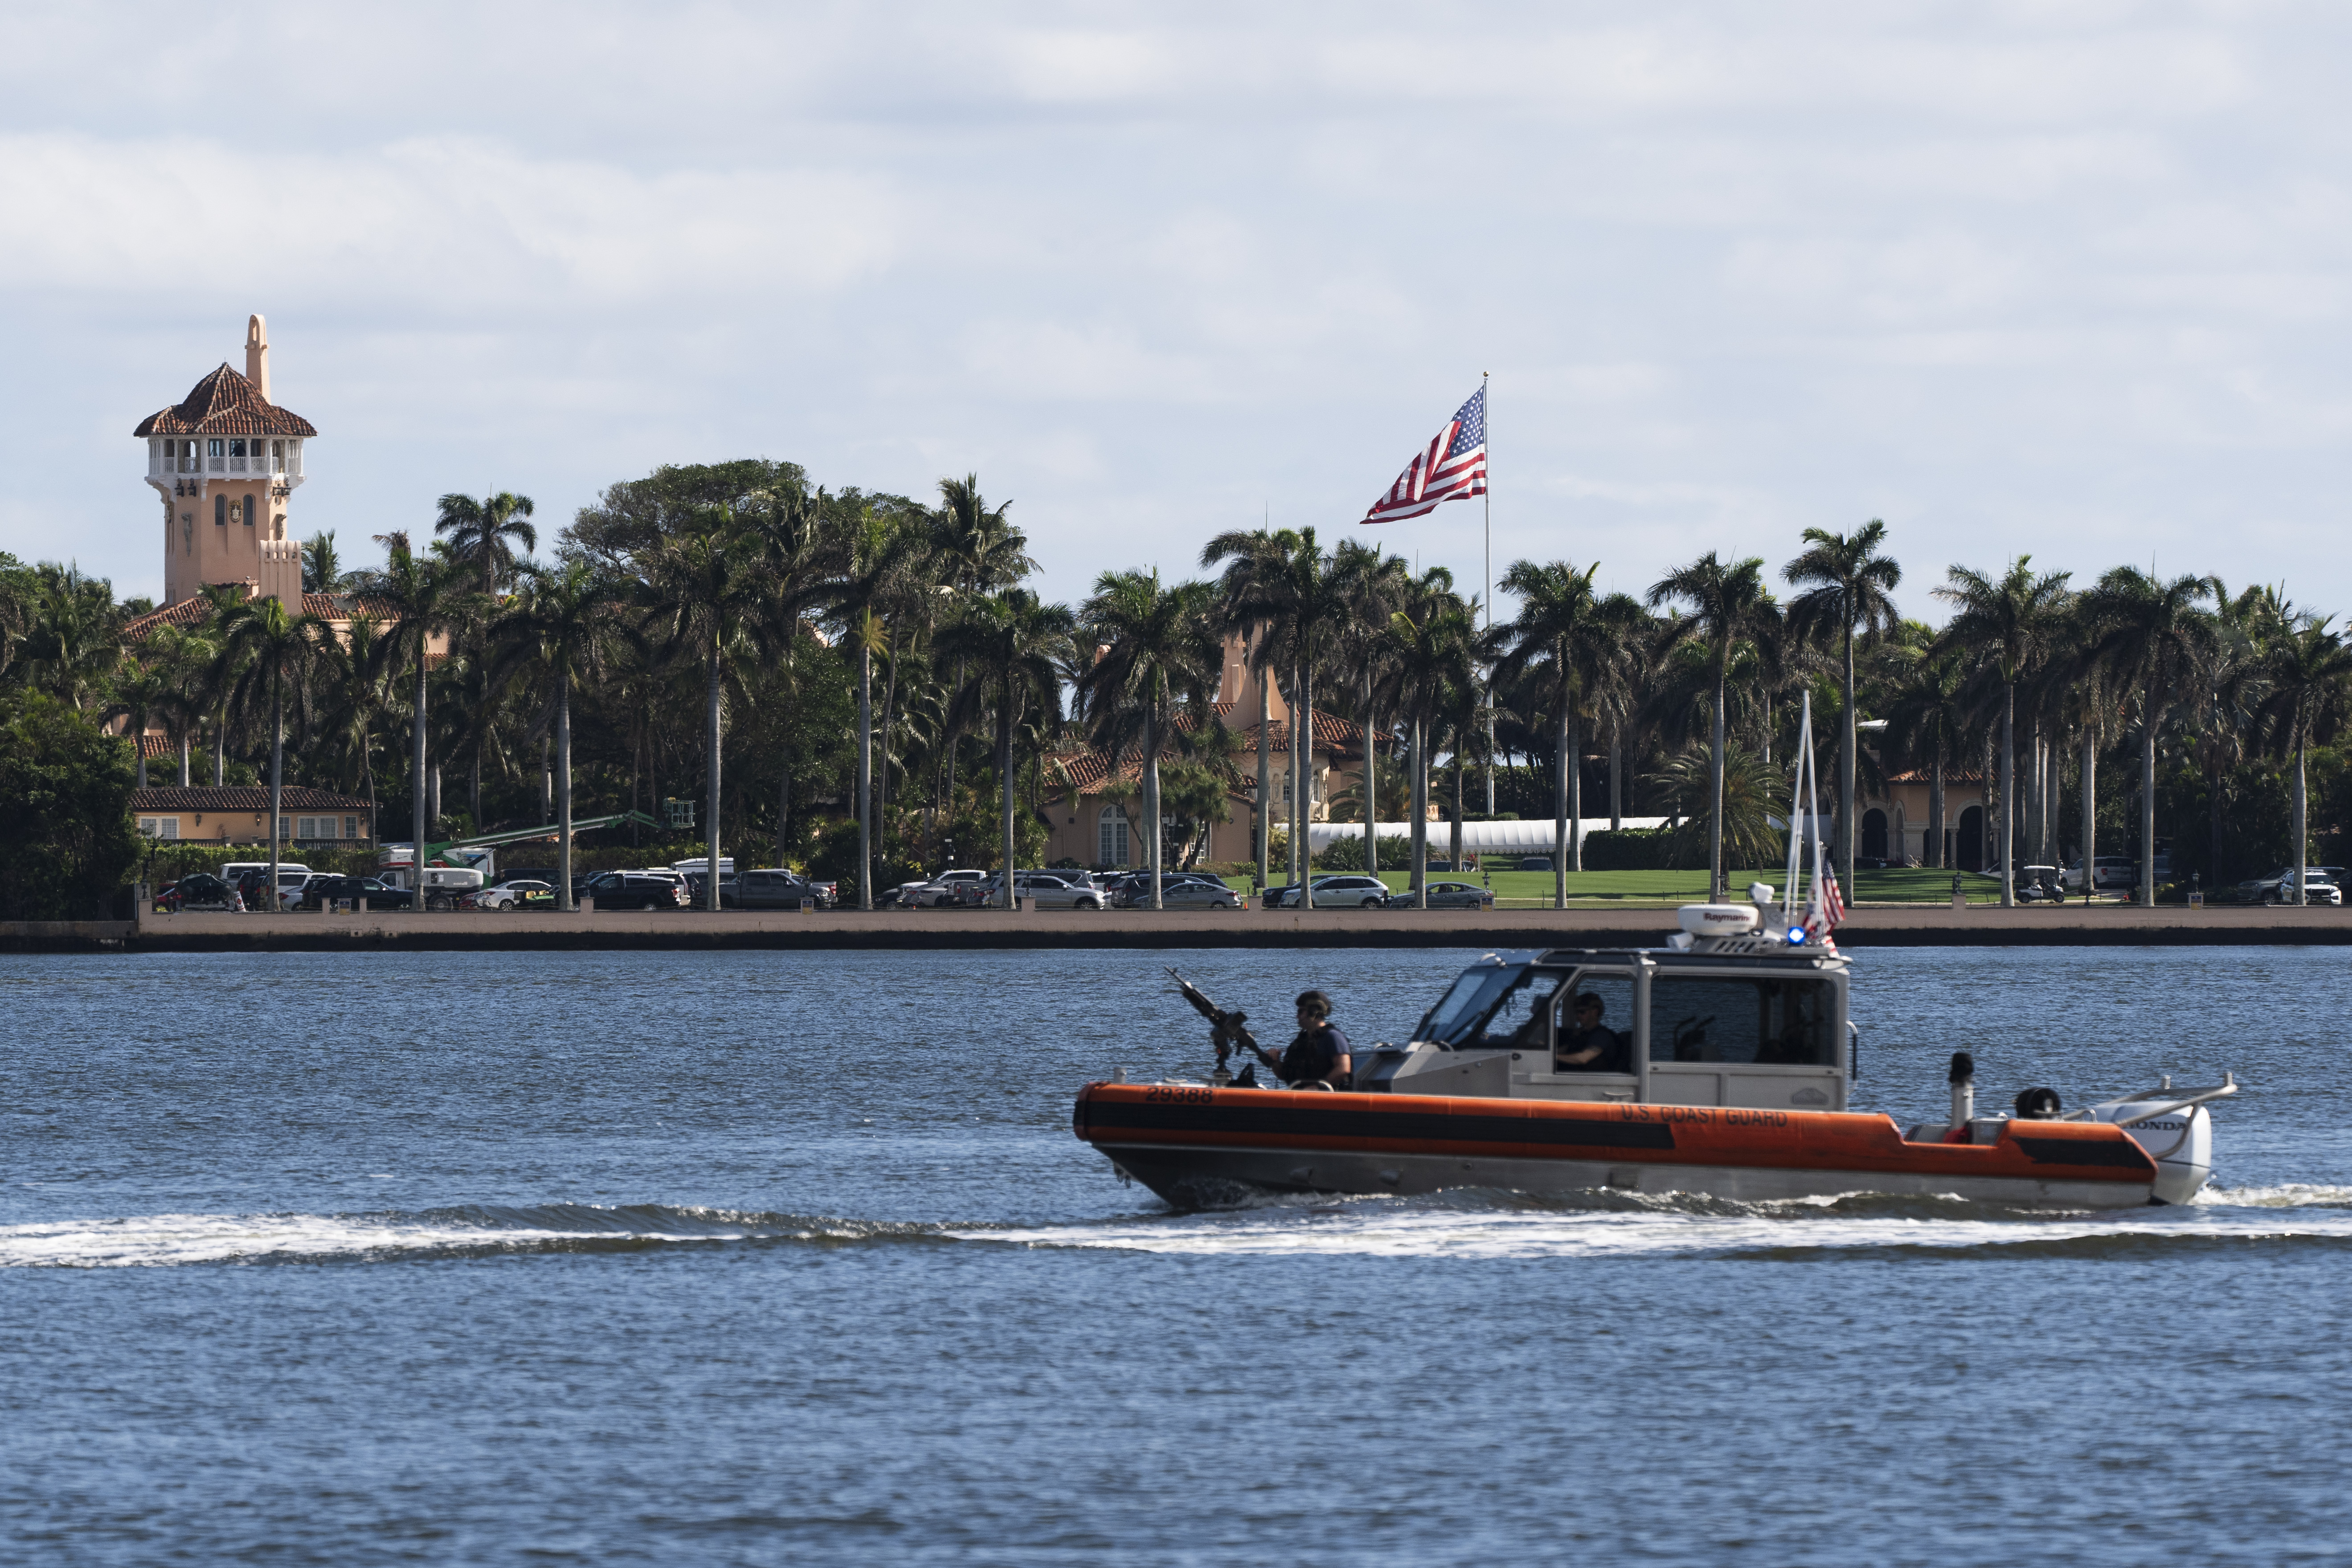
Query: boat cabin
(1742,1022)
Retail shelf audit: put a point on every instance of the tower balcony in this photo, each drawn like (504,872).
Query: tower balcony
(225,456)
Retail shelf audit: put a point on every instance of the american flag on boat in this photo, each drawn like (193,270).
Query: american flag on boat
(1826,912)
(1453,468)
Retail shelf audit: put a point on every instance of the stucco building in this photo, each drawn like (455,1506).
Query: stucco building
(226,461)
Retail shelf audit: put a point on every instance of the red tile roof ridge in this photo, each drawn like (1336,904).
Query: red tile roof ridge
(224,404)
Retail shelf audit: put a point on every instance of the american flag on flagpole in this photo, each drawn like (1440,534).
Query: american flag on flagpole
(1453,468)
(1827,911)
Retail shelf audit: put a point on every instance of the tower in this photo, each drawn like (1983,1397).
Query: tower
(226,460)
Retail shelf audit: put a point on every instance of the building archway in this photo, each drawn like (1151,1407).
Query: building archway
(1971,856)
(1873,834)
(1111,837)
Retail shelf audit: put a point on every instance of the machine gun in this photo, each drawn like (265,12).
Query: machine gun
(1228,1030)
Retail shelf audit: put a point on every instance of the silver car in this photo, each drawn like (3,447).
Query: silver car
(1197,895)
(1052,889)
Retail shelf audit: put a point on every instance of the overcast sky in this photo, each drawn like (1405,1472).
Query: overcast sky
(2048,279)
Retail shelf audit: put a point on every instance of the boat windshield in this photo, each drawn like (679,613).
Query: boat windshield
(1456,1018)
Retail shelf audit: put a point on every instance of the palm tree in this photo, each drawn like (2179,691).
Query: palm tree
(974,549)
(1561,630)
(424,597)
(1847,582)
(322,571)
(2153,635)
(354,690)
(569,620)
(1283,588)
(2014,624)
(1012,646)
(708,598)
(267,652)
(73,639)
(484,532)
(2309,669)
(880,552)
(1160,648)
(1928,723)
(1435,644)
(1729,604)
(1373,583)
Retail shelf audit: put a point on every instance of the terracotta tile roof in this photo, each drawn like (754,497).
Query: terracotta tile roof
(224,404)
(191,611)
(1088,771)
(155,746)
(1953,777)
(239,797)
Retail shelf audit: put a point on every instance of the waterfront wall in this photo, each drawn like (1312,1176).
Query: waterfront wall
(685,930)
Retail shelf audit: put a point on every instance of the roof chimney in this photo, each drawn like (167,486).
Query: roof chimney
(257,355)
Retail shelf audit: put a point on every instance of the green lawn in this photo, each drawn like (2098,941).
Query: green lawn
(1532,890)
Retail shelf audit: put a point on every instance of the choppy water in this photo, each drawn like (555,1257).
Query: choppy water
(779,1258)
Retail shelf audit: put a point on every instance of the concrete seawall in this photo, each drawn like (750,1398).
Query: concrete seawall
(688,931)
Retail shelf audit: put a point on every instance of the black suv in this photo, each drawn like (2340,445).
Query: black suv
(635,890)
(769,889)
(197,890)
(320,890)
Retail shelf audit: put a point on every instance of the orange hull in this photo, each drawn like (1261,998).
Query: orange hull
(1184,1141)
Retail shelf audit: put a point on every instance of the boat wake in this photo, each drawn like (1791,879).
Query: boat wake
(1466,1225)
(1506,1225)
(467,1231)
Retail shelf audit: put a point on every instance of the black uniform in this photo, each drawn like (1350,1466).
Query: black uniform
(1314,1054)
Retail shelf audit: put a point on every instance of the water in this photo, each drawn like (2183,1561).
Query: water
(764,1259)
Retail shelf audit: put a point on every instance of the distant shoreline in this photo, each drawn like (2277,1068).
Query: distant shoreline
(1870,927)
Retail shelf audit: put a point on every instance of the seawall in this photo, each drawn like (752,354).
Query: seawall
(688,931)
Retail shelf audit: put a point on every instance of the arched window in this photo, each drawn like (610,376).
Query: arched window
(1874,833)
(1110,837)
(220,512)
(248,511)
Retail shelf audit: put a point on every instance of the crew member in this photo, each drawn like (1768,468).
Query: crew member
(1590,1047)
(1319,1057)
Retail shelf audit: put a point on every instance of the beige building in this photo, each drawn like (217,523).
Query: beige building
(239,814)
(226,461)
(1095,829)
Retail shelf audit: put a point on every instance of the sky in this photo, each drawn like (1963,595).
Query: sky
(2065,280)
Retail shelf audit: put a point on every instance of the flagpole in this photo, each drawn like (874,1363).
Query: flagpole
(1488,497)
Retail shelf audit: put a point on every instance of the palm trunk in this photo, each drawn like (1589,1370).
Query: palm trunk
(2302,825)
(1846,742)
(276,787)
(2090,813)
(1560,802)
(1454,850)
(563,900)
(1714,820)
(1152,800)
(1575,799)
(1005,762)
(220,748)
(1616,785)
(183,759)
(2147,802)
(139,740)
(889,722)
(1302,757)
(1265,783)
(710,782)
(417,803)
(1372,807)
(474,788)
(865,774)
(1935,856)
(2009,796)
(1420,813)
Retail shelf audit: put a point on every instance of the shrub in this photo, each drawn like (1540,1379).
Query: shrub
(1348,853)
(67,840)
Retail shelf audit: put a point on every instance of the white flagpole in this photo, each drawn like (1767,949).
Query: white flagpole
(1796,802)
(1486,404)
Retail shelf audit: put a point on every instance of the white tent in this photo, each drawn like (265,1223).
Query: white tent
(1531,836)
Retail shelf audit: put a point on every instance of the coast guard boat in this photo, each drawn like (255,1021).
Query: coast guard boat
(1730,1056)
(1738,1060)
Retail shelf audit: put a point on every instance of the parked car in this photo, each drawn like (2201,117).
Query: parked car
(2319,887)
(1444,896)
(2111,873)
(1535,862)
(1134,891)
(517,894)
(946,889)
(198,890)
(1203,893)
(635,890)
(1051,889)
(320,891)
(1333,892)
(772,887)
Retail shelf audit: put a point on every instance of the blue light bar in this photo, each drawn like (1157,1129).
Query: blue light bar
(1796,936)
